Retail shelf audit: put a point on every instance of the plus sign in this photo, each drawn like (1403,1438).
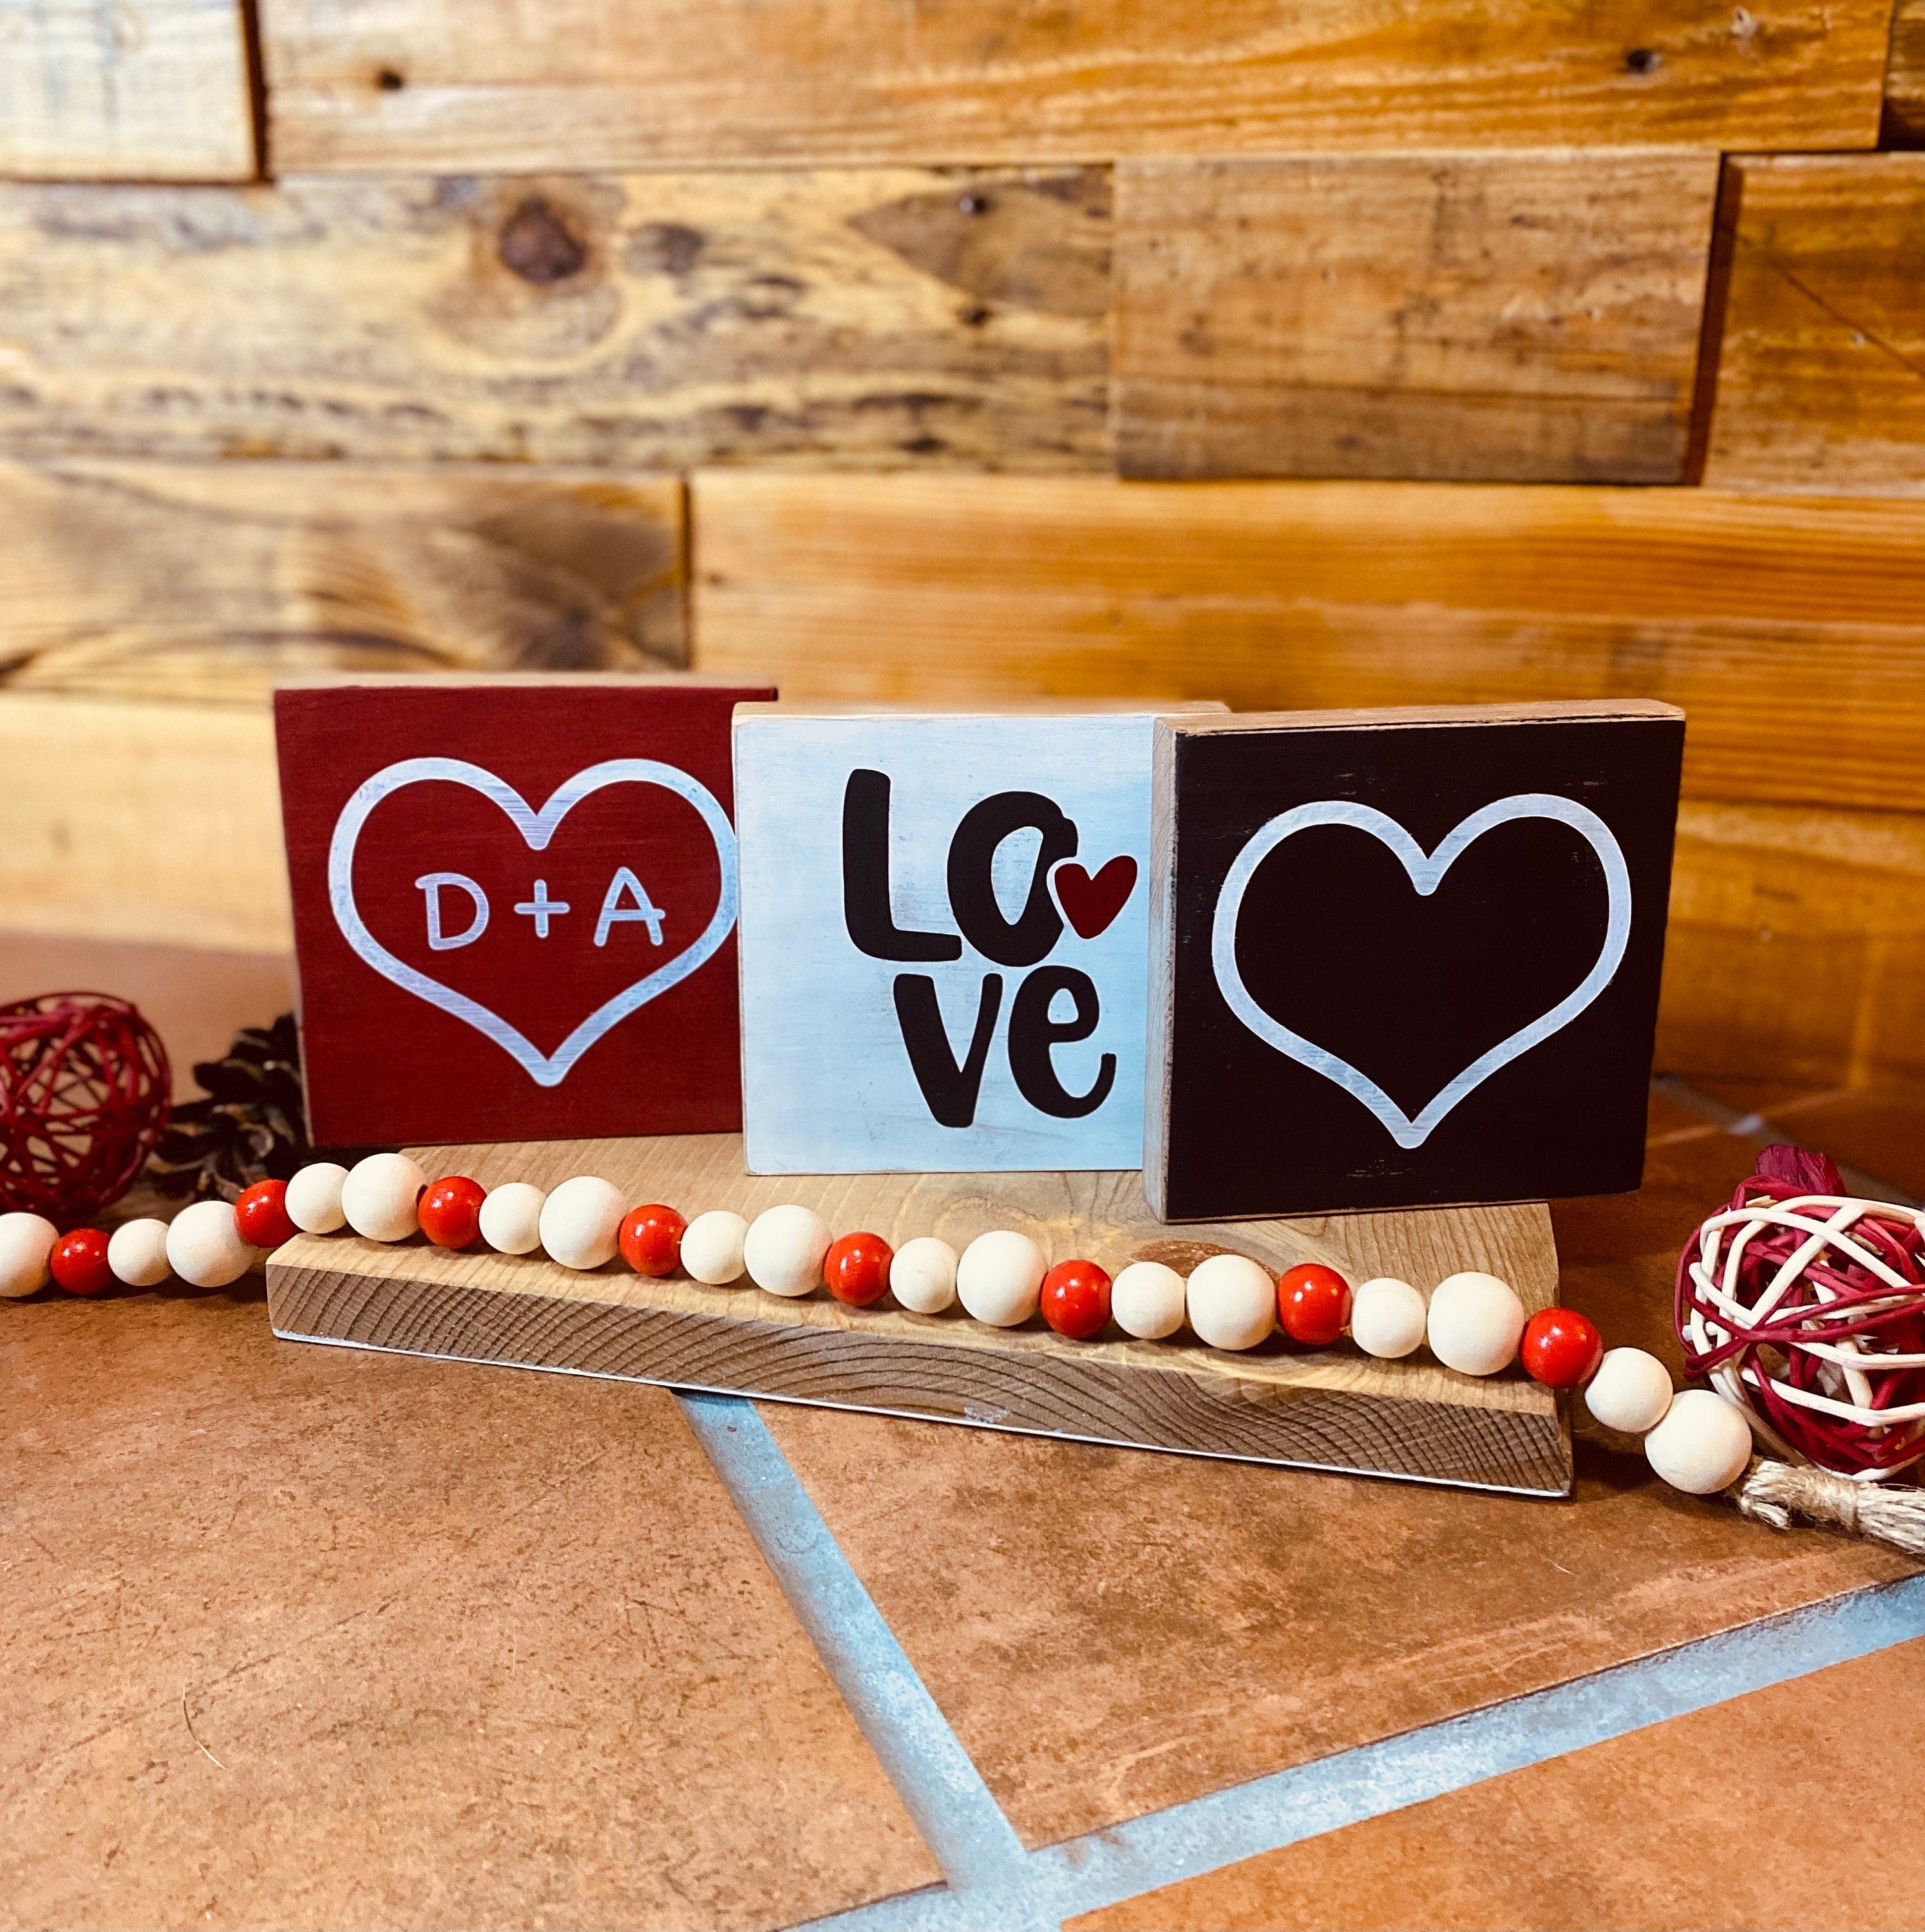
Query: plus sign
(541,908)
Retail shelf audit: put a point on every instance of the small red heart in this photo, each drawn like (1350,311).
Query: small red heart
(1090,903)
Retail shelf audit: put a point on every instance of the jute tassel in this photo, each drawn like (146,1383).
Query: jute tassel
(1776,1492)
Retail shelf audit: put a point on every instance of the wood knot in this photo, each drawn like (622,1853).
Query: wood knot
(1643,60)
(389,81)
(539,246)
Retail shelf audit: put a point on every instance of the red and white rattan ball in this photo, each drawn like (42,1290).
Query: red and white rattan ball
(1806,1306)
(84,1091)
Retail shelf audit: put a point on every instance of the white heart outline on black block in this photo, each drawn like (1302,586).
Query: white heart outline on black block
(1425,871)
(536,829)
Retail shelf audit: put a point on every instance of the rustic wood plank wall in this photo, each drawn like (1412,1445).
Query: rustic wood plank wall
(1519,317)
(208,580)
(782,343)
(854,317)
(447,84)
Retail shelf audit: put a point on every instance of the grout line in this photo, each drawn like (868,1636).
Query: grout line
(1207,1833)
(976,1845)
(1204,1834)
(995,1884)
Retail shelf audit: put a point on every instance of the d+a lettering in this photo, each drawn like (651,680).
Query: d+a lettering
(626,899)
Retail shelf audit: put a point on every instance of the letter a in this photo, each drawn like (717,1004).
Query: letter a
(613,909)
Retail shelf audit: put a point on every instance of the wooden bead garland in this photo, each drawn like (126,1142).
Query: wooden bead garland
(1796,1248)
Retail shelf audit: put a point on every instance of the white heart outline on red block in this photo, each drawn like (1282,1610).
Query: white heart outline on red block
(1426,870)
(536,829)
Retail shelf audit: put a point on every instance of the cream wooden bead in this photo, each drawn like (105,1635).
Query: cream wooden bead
(204,1246)
(511,1217)
(1232,1302)
(1146,1301)
(137,1253)
(711,1246)
(1631,1391)
(1475,1324)
(783,1250)
(1388,1318)
(380,1194)
(922,1276)
(580,1221)
(1702,1444)
(25,1242)
(999,1278)
(313,1202)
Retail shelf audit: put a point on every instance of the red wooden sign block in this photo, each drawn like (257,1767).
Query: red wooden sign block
(515,904)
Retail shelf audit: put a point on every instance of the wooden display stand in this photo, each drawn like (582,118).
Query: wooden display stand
(1331,1409)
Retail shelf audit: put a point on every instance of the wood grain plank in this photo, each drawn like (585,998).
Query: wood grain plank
(1904,123)
(1793,633)
(488,83)
(1329,1409)
(1821,379)
(175,836)
(878,317)
(1512,317)
(1797,946)
(152,90)
(211,580)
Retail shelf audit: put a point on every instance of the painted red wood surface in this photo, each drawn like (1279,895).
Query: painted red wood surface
(642,862)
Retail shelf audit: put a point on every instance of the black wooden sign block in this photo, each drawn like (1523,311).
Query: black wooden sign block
(1405,958)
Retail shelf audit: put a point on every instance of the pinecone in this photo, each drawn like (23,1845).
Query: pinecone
(252,1126)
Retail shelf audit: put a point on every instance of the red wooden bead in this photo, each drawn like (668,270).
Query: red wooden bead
(260,1215)
(1312,1303)
(450,1211)
(650,1237)
(1561,1348)
(856,1269)
(79,1261)
(1076,1299)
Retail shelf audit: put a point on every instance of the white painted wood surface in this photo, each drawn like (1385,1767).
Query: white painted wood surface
(828,1084)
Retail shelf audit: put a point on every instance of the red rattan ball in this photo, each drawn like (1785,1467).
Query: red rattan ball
(1806,1306)
(84,1089)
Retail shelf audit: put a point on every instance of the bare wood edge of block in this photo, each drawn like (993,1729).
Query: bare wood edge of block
(1408,1421)
(1585,710)
(1160,995)
(794,710)
(491,680)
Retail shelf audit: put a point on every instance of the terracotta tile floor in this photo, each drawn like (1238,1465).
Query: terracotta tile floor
(1110,1633)
(1711,1819)
(308,1636)
(311,1637)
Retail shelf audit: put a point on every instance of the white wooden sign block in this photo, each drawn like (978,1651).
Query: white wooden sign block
(945,939)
